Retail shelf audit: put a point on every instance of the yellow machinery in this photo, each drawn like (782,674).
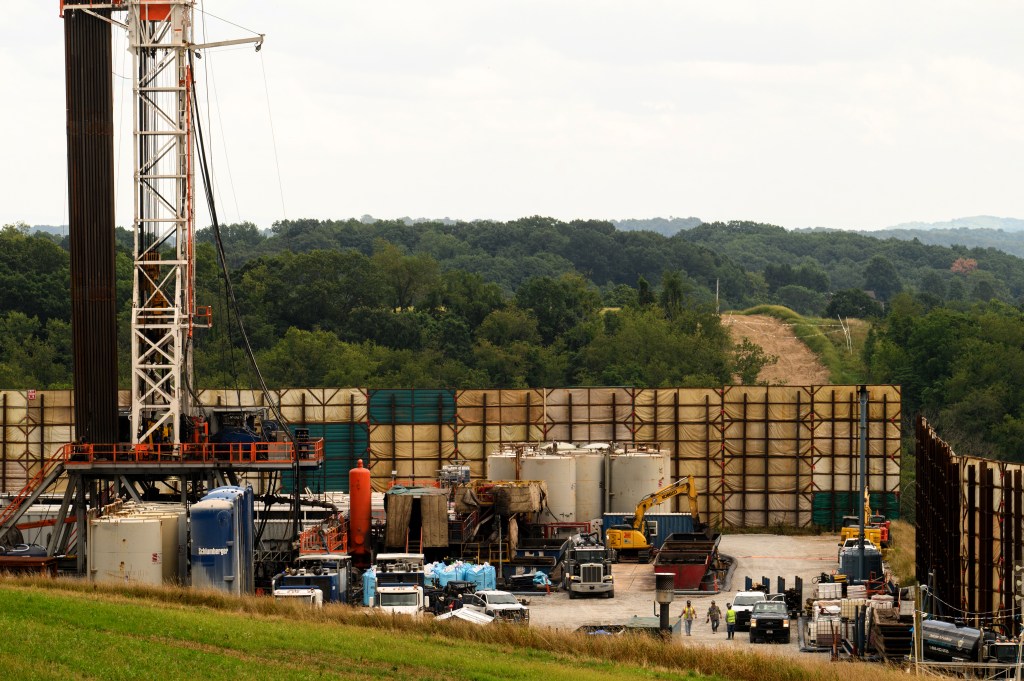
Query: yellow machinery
(876,528)
(631,540)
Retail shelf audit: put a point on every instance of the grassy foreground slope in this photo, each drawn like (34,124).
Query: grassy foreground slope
(75,630)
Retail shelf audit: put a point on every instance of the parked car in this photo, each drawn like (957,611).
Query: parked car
(769,620)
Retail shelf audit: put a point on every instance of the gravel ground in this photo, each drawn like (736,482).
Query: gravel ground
(756,555)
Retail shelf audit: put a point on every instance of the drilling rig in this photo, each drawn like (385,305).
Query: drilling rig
(169,442)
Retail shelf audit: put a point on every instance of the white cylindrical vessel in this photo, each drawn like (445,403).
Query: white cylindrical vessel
(589,485)
(559,472)
(634,475)
(501,466)
(140,545)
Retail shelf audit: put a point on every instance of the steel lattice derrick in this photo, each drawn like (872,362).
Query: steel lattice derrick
(163,302)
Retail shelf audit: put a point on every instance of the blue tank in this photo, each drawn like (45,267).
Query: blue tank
(369,587)
(222,540)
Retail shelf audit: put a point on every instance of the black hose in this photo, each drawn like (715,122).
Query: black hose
(222,258)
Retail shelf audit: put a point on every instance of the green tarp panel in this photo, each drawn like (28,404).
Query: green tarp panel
(411,406)
(344,444)
(830,507)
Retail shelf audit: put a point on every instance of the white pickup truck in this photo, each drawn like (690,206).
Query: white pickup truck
(500,605)
(743,604)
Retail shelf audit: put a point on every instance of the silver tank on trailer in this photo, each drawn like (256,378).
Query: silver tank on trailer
(559,472)
(634,475)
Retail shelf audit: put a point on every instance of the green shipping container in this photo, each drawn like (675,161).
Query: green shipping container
(830,507)
(344,444)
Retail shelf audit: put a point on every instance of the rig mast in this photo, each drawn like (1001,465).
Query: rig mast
(163,291)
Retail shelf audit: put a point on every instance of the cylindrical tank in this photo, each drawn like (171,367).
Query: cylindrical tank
(589,484)
(360,513)
(634,476)
(140,544)
(944,641)
(559,472)
(501,466)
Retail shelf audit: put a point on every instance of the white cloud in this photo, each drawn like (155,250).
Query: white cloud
(798,113)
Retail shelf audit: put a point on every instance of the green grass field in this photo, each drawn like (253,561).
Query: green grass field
(68,629)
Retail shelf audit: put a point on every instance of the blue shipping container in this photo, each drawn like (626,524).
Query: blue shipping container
(660,525)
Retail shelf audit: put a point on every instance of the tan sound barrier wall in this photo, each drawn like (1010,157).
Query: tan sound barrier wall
(33,425)
(970,532)
(761,456)
(991,528)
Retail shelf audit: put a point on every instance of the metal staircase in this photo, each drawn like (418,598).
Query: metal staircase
(49,472)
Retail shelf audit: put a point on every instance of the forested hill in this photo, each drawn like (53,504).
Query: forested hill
(971,237)
(542,302)
(667,226)
(750,263)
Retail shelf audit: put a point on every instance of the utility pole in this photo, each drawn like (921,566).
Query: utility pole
(863,473)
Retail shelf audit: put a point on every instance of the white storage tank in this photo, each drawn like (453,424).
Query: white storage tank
(559,472)
(140,545)
(501,466)
(635,474)
(589,484)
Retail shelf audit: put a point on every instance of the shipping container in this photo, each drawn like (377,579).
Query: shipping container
(661,525)
(222,540)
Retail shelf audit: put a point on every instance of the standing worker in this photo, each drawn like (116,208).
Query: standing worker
(689,614)
(714,615)
(730,621)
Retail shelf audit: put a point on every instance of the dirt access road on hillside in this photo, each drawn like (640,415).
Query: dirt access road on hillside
(797,365)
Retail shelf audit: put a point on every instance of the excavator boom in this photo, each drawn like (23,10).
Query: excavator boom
(631,538)
(682,486)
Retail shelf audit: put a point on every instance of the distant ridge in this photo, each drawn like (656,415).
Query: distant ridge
(975,222)
(669,226)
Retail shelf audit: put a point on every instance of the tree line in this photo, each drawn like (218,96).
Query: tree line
(540,302)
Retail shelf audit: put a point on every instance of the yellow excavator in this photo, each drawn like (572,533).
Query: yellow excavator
(630,541)
(876,527)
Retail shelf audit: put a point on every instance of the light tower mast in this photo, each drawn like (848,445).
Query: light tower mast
(163,291)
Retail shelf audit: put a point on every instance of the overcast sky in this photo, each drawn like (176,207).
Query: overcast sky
(849,115)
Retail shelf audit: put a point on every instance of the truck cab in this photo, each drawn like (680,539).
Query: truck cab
(318,578)
(399,584)
(851,530)
(401,600)
(588,569)
(500,605)
(769,620)
(312,597)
